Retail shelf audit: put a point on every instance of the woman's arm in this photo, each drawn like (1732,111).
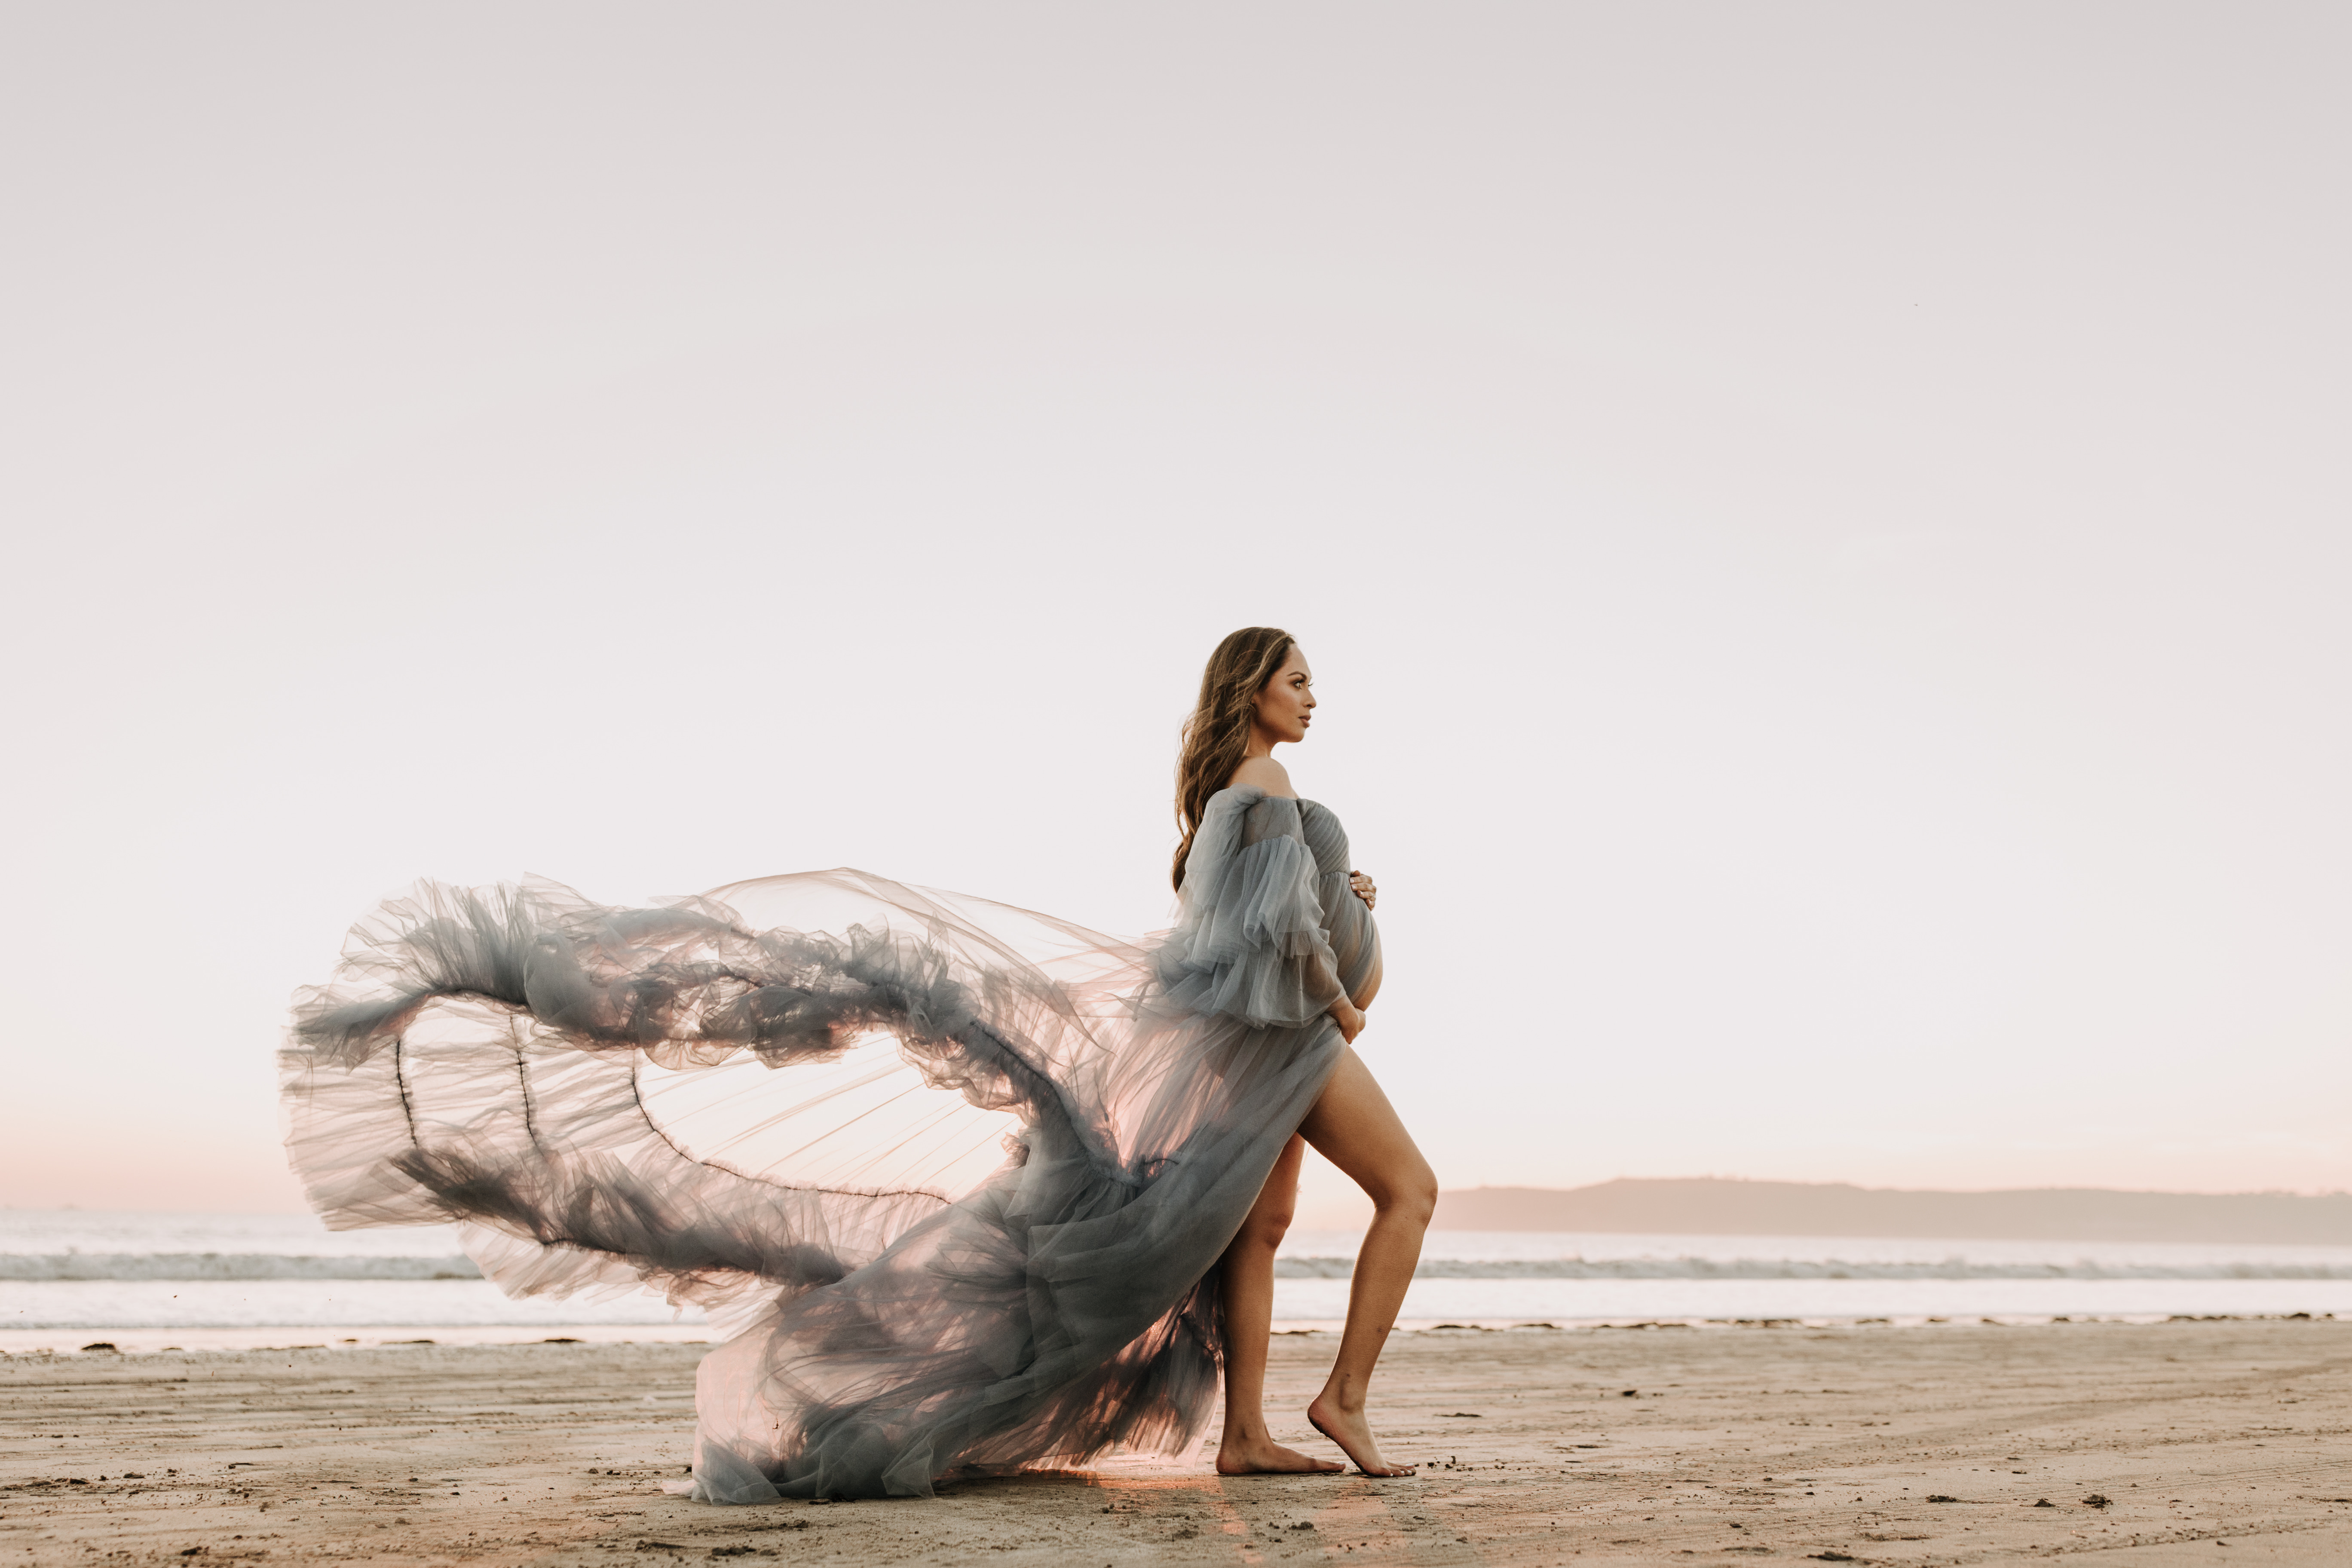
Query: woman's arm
(1251,941)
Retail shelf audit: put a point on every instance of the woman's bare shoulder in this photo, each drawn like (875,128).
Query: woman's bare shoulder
(1266,774)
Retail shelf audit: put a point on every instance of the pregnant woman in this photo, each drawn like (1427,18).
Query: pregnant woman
(965,1188)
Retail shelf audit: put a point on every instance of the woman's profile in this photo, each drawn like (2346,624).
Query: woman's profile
(965,1188)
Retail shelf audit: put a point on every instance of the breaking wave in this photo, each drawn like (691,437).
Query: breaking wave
(227,1266)
(1805,1268)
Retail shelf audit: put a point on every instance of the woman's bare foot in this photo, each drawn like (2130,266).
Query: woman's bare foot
(1354,1436)
(1264,1457)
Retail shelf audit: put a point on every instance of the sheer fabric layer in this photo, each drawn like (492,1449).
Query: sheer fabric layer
(951,1177)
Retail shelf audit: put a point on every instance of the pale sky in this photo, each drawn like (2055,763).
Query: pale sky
(1821,531)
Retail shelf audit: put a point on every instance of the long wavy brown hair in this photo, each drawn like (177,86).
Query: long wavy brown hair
(1218,733)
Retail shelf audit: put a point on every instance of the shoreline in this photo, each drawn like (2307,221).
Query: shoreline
(66,1342)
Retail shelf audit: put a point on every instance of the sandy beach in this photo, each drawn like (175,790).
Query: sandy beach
(2134,1444)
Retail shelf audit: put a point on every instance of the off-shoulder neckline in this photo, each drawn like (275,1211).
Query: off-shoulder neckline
(1264,793)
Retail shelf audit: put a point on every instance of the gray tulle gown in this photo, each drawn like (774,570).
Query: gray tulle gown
(951,1177)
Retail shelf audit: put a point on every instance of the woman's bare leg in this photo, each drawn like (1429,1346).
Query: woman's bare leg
(1246,1288)
(1354,1126)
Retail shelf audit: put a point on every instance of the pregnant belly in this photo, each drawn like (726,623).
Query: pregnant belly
(1356,943)
(1362,992)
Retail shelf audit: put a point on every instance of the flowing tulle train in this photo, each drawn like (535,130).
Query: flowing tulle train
(951,1177)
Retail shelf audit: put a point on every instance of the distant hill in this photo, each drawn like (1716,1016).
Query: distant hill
(1717,1206)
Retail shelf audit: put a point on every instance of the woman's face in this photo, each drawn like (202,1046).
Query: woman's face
(1287,704)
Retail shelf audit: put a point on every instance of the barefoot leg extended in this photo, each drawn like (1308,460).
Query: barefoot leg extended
(1247,1286)
(1354,1126)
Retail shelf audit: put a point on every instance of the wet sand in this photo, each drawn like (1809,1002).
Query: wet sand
(2213,1442)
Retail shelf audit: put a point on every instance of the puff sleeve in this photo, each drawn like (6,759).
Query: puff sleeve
(1250,941)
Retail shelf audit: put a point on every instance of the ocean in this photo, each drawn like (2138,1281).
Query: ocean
(73,1276)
